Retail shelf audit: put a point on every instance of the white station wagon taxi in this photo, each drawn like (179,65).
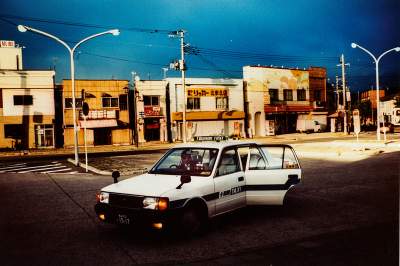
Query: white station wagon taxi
(196,181)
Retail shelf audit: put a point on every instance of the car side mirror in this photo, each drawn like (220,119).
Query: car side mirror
(115,175)
(184,179)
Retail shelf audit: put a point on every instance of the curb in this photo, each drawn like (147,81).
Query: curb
(90,168)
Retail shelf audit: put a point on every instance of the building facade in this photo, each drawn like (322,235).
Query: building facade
(276,97)
(108,120)
(214,107)
(26,102)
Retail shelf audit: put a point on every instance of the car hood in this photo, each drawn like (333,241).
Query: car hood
(146,185)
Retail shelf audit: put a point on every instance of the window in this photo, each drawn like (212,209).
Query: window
(15,131)
(280,158)
(23,100)
(193,103)
(194,161)
(109,102)
(317,95)
(229,163)
(68,103)
(123,102)
(222,103)
(273,94)
(257,161)
(44,135)
(301,95)
(150,100)
(288,95)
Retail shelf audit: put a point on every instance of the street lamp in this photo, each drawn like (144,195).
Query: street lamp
(396,49)
(114,32)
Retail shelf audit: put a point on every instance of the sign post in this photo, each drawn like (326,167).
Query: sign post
(85,110)
(356,122)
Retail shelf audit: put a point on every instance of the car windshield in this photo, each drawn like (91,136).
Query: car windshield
(192,161)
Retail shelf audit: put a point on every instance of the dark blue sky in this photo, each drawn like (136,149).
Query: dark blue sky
(229,35)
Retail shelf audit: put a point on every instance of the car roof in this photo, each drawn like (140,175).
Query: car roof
(214,144)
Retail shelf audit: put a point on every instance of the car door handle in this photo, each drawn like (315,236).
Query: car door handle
(240,178)
(293,176)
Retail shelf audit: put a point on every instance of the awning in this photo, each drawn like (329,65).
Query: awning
(98,123)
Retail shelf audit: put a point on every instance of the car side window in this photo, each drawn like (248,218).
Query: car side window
(257,162)
(274,157)
(280,158)
(229,162)
(290,161)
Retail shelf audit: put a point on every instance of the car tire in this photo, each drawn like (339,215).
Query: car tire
(191,221)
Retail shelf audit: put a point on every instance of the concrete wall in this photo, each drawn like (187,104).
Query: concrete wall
(11,58)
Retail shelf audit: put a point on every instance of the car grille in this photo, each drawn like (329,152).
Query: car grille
(125,201)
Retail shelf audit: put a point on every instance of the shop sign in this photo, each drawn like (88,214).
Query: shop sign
(210,138)
(152,110)
(207,92)
(5,43)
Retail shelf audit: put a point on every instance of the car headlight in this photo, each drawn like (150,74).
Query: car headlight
(103,197)
(152,203)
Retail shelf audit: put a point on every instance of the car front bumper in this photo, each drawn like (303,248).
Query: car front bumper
(126,216)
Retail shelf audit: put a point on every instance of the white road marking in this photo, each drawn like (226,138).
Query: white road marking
(13,165)
(55,171)
(41,168)
(16,169)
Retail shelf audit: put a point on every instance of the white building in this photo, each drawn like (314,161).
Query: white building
(26,103)
(214,107)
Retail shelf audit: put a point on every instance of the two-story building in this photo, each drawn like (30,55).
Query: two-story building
(108,120)
(214,107)
(26,102)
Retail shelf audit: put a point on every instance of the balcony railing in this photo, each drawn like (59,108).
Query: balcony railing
(99,114)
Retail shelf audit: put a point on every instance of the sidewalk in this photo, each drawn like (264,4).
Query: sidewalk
(366,140)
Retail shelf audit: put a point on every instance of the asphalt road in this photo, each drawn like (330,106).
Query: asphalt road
(344,213)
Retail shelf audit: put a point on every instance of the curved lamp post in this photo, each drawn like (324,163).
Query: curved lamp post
(376,60)
(71,51)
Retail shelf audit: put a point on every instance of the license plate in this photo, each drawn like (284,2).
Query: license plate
(123,219)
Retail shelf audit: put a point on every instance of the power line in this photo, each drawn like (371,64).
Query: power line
(79,24)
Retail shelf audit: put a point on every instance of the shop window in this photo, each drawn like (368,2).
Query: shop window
(287,95)
(273,95)
(44,135)
(23,99)
(123,102)
(68,103)
(151,100)
(222,103)
(193,103)
(301,95)
(14,131)
(109,102)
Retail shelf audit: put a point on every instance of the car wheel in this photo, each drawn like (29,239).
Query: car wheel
(191,221)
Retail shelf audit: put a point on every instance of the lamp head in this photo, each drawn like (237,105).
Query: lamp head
(22,28)
(353,45)
(115,32)
(397,49)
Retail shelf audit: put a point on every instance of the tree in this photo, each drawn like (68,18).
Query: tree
(365,108)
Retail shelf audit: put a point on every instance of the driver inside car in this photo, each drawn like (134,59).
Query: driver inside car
(186,161)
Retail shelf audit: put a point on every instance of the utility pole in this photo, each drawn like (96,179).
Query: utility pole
(135,114)
(337,93)
(343,65)
(182,68)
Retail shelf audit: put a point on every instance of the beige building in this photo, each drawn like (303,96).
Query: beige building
(108,120)
(214,107)
(26,102)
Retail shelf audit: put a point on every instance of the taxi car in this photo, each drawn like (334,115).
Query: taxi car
(193,182)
